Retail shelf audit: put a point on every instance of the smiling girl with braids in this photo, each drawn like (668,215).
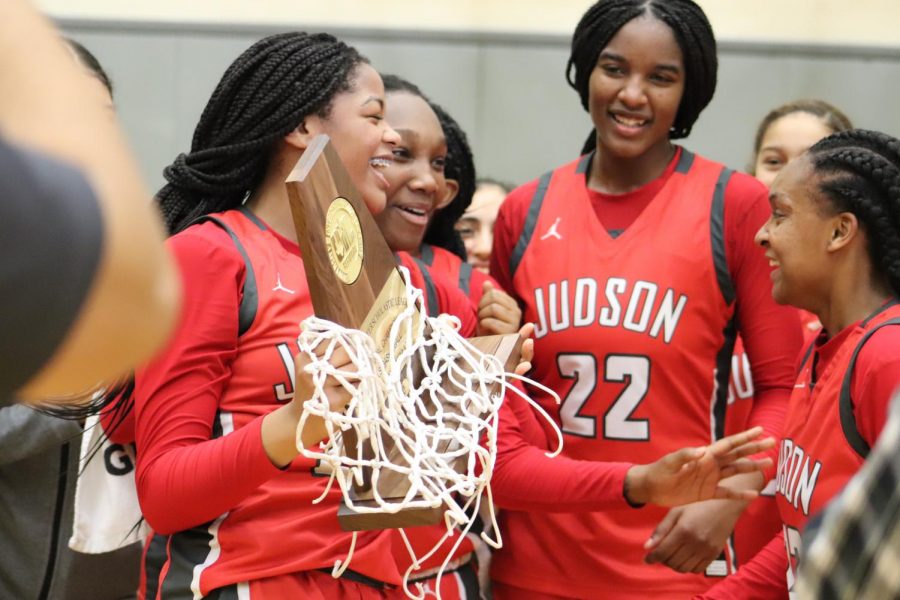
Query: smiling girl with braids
(424,206)
(834,240)
(637,264)
(218,473)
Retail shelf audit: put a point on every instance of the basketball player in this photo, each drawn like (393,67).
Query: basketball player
(219,476)
(834,240)
(784,134)
(95,291)
(636,262)
(416,183)
(425,227)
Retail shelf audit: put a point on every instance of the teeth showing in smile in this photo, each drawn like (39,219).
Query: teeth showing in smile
(379,162)
(629,121)
(773,263)
(413,211)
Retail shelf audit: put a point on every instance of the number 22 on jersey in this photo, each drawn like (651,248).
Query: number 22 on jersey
(633,371)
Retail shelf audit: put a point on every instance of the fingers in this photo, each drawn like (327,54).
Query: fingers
(661,531)
(746,466)
(724,493)
(498,311)
(527,331)
(727,444)
(492,326)
(748,449)
(683,459)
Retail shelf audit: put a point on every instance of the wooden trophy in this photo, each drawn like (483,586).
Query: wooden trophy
(354,281)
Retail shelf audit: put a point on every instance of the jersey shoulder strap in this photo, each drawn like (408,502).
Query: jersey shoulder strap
(249,292)
(848,419)
(534,210)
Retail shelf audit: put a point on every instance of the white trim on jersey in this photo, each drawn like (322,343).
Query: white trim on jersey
(226,422)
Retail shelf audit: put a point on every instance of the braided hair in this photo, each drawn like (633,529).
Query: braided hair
(859,172)
(264,95)
(692,31)
(459,166)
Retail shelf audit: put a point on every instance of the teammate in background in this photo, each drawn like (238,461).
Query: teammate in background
(35,559)
(95,291)
(834,240)
(784,133)
(422,209)
(787,131)
(476,226)
(637,264)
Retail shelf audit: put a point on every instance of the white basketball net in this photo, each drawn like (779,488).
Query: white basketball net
(433,429)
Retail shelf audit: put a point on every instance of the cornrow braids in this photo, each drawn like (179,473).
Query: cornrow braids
(692,31)
(460,167)
(859,172)
(263,95)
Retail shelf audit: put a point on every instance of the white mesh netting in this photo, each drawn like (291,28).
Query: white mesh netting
(440,433)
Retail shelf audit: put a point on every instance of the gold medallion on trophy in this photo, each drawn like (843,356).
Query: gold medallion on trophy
(344,241)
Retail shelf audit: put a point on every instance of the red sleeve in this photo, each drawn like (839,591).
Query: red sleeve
(507,229)
(875,378)
(762,577)
(526,479)
(184,478)
(771,332)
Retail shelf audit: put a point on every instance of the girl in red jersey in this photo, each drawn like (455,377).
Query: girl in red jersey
(784,134)
(421,222)
(218,473)
(637,264)
(417,183)
(834,241)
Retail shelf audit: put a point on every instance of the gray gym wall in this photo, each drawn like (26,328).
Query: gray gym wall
(507,91)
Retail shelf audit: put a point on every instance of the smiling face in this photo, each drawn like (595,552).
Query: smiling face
(415,177)
(785,139)
(636,88)
(796,237)
(361,135)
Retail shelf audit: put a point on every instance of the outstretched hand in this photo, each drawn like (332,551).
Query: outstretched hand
(693,474)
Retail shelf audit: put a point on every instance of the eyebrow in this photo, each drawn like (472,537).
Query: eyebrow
(380,101)
(407,132)
(618,57)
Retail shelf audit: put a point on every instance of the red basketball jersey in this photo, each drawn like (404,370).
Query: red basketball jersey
(821,448)
(635,333)
(760,521)
(469,280)
(276,529)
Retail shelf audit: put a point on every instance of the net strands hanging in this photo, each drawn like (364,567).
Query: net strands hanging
(443,427)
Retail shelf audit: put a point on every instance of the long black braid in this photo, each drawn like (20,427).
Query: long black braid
(264,95)
(859,172)
(459,166)
(692,31)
